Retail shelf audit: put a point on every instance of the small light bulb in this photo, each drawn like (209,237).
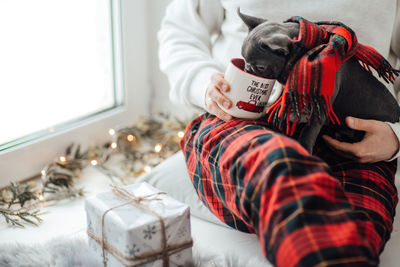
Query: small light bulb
(111,132)
(43,172)
(147,168)
(181,134)
(41,197)
(93,162)
(158,148)
(63,159)
(51,129)
(131,138)
(113,145)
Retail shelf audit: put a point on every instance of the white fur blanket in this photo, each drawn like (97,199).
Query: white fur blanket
(75,252)
(63,252)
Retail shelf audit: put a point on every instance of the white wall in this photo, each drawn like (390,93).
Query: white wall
(157,80)
(136,50)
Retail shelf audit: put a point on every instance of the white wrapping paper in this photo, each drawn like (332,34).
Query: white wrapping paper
(132,231)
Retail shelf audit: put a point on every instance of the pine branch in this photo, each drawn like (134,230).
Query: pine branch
(19,216)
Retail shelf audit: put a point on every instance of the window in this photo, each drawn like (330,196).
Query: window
(62,77)
(56,64)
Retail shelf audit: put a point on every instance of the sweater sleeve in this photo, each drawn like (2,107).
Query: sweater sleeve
(395,46)
(185,48)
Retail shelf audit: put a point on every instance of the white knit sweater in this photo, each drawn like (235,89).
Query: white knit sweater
(198,37)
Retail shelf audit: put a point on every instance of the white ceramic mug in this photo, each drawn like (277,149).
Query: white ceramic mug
(249,93)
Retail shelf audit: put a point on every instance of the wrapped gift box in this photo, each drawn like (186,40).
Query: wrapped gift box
(132,230)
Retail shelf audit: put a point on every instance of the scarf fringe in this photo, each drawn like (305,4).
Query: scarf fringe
(369,57)
(291,107)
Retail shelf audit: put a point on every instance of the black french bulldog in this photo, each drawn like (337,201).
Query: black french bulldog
(357,92)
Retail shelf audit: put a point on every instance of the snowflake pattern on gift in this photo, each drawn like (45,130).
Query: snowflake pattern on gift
(149,232)
(181,232)
(133,250)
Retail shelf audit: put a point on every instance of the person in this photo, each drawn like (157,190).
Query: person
(335,207)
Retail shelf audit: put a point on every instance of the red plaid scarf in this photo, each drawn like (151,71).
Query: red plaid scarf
(309,77)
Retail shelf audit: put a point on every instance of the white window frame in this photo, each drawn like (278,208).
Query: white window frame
(131,66)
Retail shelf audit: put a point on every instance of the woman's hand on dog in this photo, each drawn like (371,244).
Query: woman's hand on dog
(379,143)
(214,95)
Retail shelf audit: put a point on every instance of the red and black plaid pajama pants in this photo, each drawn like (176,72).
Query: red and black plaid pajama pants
(304,210)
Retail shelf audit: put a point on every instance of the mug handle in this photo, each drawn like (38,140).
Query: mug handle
(276,93)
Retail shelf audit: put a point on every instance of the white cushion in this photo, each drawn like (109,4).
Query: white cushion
(171,176)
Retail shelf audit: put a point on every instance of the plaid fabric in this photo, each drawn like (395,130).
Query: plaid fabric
(309,77)
(305,211)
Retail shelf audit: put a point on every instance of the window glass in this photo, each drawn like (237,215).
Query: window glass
(56,65)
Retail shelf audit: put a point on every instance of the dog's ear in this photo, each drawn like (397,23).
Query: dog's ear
(250,21)
(278,43)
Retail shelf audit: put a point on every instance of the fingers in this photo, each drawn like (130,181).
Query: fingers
(379,142)
(219,98)
(214,96)
(218,80)
(350,150)
(213,108)
(360,124)
(362,151)
(347,148)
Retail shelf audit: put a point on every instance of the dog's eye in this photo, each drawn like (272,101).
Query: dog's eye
(281,52)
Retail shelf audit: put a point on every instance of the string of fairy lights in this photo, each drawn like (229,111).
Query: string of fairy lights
(137,150)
